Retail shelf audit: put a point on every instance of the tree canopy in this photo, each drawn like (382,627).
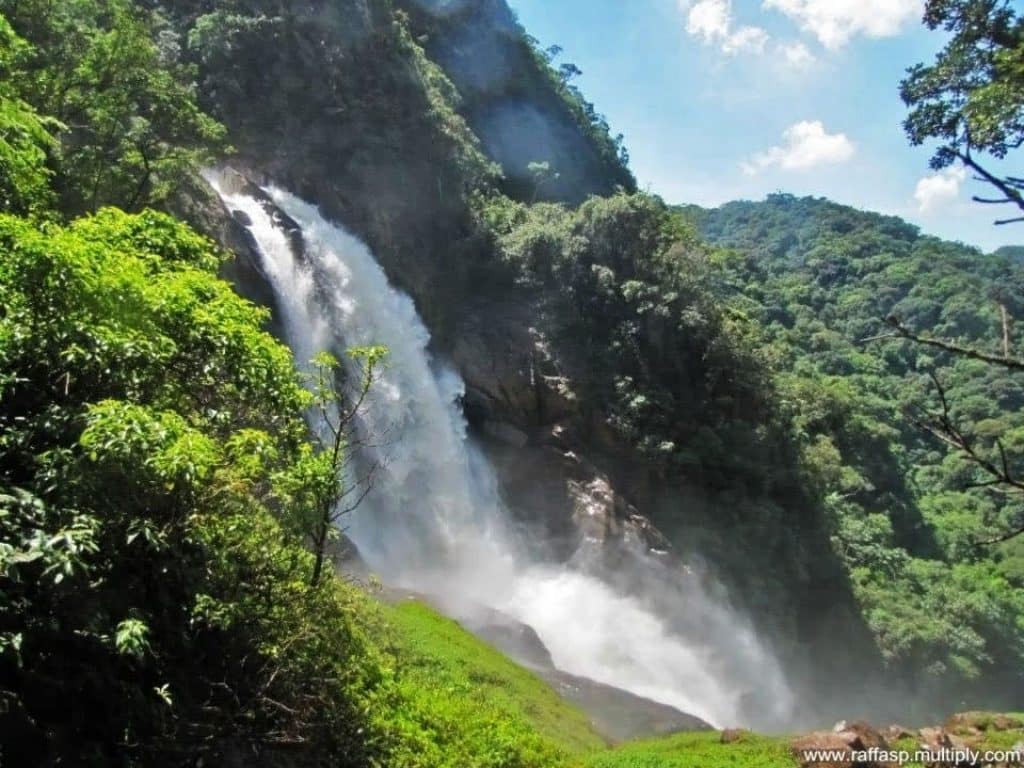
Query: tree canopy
(971,99)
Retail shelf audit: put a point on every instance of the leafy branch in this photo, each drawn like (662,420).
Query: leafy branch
(335,437)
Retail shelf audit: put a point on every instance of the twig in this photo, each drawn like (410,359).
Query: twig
(956,349)
(943,427)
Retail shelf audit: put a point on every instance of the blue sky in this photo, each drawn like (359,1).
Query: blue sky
(723,100)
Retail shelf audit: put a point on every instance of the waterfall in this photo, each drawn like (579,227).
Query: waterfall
(435,522)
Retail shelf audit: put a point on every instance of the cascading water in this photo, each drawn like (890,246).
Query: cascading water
(435,521)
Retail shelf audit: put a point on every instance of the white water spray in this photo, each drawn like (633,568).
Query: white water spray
(435,521)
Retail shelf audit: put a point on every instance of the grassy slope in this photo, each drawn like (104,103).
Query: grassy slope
(483,708)
(480,703)
(698,750)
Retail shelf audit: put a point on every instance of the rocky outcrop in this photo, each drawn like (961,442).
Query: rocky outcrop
(521,396)
(967,739)
(511,372)
(197,204)
(620,715)
(845,745)
(234,182)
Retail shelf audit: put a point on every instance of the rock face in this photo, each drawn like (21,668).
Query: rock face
(511,372)
(521,396)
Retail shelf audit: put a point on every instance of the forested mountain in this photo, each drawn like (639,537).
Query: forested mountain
(713,400)
(820,280)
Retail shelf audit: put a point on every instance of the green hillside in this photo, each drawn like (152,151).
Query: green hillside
(820,280)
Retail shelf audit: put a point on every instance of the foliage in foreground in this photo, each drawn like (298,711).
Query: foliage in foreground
(150,555)
(971,98)
(144,414)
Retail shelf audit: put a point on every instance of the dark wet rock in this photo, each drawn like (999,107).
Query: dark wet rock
(619,715)
(197,204)
(235,182)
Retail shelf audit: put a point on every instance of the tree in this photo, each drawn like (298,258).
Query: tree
(568,71)
(971,99)
(542,175)
(319,487)
(26,141)
(134,131)
(143,413)
(995,463)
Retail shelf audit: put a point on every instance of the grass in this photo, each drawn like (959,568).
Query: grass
(479,707)
(698,750)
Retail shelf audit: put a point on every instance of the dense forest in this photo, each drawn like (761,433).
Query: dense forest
(752,377)
(820,280)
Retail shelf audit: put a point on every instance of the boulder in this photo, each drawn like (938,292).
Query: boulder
(845,738)
(934,739)
(868,736)
(804,747)
(942,744)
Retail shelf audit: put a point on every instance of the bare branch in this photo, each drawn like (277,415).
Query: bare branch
(1010,187)
(956,349)
(943,427)
(1001,538)
(365,485)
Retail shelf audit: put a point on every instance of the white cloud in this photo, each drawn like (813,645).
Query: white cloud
(712,22)
(936,189)
(834,22)
(796,55)
(709,20)
(805,145)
